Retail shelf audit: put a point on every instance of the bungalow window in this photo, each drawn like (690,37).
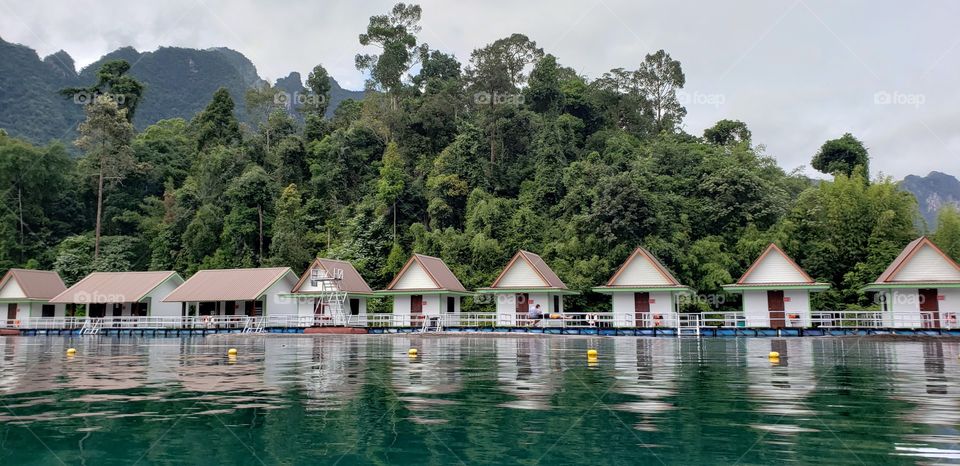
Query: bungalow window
(48,310)
(451,304)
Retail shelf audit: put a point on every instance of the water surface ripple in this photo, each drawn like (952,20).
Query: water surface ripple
(477,400)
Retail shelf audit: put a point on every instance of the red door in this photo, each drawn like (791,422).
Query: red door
(416,309)
(775,306)
(523,305)
(641,309)
(930,308)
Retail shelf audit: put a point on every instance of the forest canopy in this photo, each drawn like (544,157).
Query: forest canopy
(465,160)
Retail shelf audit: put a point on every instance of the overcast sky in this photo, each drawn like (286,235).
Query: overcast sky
(797,72)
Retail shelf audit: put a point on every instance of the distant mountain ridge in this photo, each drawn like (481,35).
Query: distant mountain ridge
(179,83)
(933,192)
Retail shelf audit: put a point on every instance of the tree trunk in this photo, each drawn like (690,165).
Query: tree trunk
(20,207)
(260,221)
(96,240)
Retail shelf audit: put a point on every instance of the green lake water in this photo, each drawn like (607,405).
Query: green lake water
(477,400)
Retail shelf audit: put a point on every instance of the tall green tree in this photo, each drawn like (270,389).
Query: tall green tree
(395,35)
(290,245)
(727,132)
(842,155)
(660,77)
(393,181)
(947,236)
(105,137)
(216,124)
(113,82)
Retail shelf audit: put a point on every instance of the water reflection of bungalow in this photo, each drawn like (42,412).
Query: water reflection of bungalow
(644,292)
(645,370)
(526,281)
(776,291)
(325,283)
(120,294)
(27,293)
(425,286)
(781,387)
(230,292)
(524,372)
(920,288)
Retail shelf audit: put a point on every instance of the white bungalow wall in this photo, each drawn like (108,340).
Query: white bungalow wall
(521,275)
(756,309)
(25,309)
(662,305)
(775,268)
(927,265)
(157,307)
(507,306)
(306,306)
(433,305)
(641,272)
(905,306)
(415,278)
(274,304)
(32,310)
(11,290)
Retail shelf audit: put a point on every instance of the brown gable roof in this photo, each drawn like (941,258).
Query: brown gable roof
(436,269)
(352,281)
(539,266)
(36,284)
(113,287)
(227,284)
(641,251)
(774,248)
(908,253)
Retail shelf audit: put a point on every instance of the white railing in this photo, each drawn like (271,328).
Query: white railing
(818,319)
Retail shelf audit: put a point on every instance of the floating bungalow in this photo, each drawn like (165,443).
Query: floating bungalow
(27,293)
(332,290)
(920,288)
(526,281)
(425,286)
(776,291)
(236,292)
(123,294)
(645,294)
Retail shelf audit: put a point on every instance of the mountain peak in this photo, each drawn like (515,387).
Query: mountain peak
(933,192)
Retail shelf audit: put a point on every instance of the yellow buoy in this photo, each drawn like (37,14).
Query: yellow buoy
(71,351)
(592,353)
(412,352)
(774,355)
(232,352)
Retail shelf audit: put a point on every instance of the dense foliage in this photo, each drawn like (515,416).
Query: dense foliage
(468,162)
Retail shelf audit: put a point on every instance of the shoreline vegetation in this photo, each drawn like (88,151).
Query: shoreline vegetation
(464,158)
